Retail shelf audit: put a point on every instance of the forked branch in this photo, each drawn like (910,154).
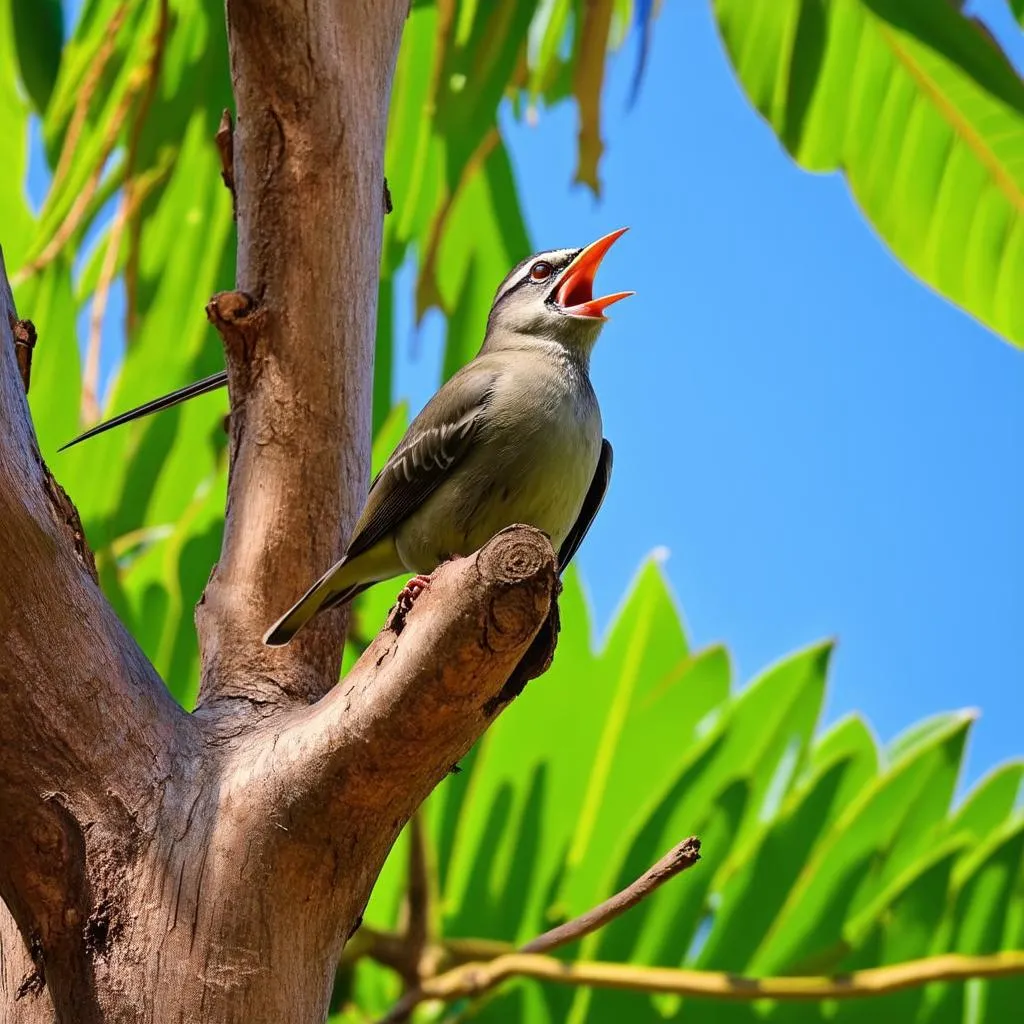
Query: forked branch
(460,980)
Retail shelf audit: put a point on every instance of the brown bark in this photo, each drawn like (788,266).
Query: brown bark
(159,866)
(312,82)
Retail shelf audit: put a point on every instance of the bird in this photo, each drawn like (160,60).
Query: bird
(514,436)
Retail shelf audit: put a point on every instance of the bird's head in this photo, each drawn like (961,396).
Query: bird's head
(550,296)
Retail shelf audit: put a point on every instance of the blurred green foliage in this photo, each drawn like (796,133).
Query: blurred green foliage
(824,851)
(914,101)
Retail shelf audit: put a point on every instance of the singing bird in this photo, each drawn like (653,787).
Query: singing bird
(515,436)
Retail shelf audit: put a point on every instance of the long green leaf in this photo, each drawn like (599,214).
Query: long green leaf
(924,115)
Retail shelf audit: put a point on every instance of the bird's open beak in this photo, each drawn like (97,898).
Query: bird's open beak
(575,291)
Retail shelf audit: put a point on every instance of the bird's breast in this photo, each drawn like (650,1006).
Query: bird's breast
(533,463)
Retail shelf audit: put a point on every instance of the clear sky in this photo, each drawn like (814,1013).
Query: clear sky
(824,446)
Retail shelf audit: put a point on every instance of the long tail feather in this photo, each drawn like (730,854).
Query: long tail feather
(315,600)
(200,387)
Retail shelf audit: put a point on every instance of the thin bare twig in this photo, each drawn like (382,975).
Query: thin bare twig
(418,927)
(476,978)
(682,856)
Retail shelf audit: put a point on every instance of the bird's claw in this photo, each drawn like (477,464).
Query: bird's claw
(412,590)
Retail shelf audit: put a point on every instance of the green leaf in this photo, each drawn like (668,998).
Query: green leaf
(986,917)
(56,377)
(163,582)
(991,803)
(152,467)
(663,693)
(924,115)
(743,751)
(39,39)
(483,237)
(499,875)
(870,842)
(15,216)
(844,761)
(903,930)
(546,32)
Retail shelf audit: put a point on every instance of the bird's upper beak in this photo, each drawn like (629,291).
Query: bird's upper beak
(575,290)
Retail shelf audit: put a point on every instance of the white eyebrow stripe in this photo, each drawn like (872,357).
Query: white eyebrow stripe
(515,278)
(556,257)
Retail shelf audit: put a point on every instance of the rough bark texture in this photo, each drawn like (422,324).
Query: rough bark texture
(311,81)
(159,866)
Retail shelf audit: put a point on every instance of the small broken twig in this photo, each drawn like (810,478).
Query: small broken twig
(473,978)
(226,146)
(24,334)
(682,856)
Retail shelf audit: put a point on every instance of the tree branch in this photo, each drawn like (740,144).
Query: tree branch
(417,699)
(312,83)
(473,980)
(77,698)
(682,856)
(24,334)
(212,866)
(418,928)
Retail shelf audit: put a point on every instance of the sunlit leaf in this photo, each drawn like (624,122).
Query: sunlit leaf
(15,215)
(851,863)
(38,39)
(921,111)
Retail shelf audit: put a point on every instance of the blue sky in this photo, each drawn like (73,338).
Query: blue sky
(824,446)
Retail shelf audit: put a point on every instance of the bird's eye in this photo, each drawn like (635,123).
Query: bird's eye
(540,271)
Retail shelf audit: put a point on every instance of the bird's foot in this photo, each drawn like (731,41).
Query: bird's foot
(412,590)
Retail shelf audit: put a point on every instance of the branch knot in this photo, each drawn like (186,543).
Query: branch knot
(24,334)
(236,316)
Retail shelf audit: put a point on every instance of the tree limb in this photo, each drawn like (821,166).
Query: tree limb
(473,980)
(77,696)
(312,84)
(682,856)
(417,699)
(162,866)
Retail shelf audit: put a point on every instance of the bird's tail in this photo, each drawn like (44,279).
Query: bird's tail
(317,599)
(199,387)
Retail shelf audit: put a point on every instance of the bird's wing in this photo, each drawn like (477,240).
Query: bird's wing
(434,444)
(200,387)
(591,504)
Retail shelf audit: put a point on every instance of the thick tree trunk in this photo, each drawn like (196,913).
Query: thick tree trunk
(159,866)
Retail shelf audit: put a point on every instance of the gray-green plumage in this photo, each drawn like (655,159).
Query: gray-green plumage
(513,437)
